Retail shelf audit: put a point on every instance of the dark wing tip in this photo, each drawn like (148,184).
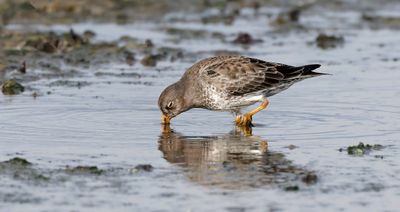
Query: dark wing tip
(310,67)
(308,70)
(318,73)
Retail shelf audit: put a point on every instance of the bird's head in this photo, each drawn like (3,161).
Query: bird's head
(171,102)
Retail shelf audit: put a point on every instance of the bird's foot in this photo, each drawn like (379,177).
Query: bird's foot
(244,121)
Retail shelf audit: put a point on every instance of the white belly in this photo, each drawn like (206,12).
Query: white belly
(231,103)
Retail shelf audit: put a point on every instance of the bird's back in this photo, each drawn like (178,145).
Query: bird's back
(235,79)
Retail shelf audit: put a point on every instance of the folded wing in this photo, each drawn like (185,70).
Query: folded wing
(242,75)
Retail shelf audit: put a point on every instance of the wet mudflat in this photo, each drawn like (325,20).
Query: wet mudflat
(85,132)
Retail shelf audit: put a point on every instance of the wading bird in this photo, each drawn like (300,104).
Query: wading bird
(230,83)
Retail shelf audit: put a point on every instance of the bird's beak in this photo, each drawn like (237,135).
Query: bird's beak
(165,119)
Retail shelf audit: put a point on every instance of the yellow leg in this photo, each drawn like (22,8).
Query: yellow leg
(246,119)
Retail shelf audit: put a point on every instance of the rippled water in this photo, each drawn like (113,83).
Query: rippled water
(204,162)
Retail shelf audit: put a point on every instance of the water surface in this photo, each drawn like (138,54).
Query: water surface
(204,162)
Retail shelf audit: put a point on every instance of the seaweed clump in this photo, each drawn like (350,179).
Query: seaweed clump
(361,149)
(285,18)
(23,170)
(142,168)
(245,39)
(149,60)
(292,188)
(12,87)
(53,43)
(377,22)
(325,41)
(84,170)
(17,161)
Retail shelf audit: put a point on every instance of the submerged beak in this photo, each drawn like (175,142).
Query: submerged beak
(165,119)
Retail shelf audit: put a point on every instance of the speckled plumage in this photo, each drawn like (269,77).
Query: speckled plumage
(229,83)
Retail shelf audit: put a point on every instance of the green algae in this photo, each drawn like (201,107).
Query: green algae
(17,161)
(84,170)
(292,188)
(12,87)
(361,149)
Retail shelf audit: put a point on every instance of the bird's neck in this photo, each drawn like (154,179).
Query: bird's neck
(188,93)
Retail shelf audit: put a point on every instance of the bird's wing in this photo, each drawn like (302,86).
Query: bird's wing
(241,75)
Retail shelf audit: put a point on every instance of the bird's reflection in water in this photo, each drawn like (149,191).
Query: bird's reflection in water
(234,160)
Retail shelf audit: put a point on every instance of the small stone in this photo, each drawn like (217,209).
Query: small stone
(292,188)
(47,47)
(130,58)
(148,43)
(143,167)
(12,87)
(22,69)
(245,39)
(310,178)
(288,17)
(88,34)
(324,41)
(294,15)
(256,6)
(149,60)
(84,170)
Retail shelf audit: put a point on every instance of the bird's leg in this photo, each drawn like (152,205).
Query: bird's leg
(246,119)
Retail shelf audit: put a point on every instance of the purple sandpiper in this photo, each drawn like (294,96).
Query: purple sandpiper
(230,83)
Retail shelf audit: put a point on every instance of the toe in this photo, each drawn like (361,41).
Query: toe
(238,120)
(244,120)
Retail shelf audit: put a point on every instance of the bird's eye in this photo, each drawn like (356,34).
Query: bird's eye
(169,105)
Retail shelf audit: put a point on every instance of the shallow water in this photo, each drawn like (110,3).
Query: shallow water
(204,162)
